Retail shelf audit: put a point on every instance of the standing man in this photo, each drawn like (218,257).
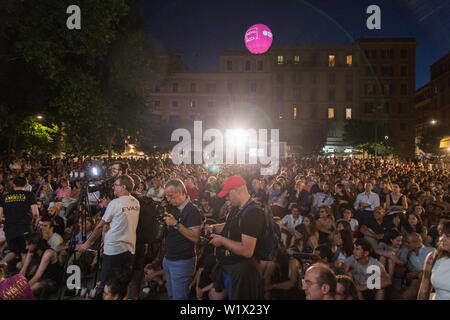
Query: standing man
(120,220)
(237,270)
(21,212)
(183,233)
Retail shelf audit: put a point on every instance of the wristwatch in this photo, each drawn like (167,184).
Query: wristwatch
(175,226)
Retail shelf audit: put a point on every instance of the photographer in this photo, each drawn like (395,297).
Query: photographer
(236,270)
(183,232)
(120,220)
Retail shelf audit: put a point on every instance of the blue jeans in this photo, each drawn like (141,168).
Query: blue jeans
(179,275)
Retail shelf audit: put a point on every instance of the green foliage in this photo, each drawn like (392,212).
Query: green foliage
(430,138)
(360,134)
(91,82)
(32,135)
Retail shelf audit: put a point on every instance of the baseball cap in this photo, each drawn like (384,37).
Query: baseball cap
(231,183)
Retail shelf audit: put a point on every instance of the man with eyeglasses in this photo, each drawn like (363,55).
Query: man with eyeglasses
(120,222)
(319,282)
(182,235)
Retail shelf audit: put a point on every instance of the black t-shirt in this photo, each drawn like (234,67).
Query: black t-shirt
(249,221)
(177,246)
(377,228)
(17,208)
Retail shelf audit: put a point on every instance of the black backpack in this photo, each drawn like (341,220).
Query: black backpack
(268,243)
(148,224)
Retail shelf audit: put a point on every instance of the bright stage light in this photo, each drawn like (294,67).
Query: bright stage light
(238,137)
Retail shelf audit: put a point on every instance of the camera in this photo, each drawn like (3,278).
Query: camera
(162,226)
(204,240)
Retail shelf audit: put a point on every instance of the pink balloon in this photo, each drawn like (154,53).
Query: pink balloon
(258,38)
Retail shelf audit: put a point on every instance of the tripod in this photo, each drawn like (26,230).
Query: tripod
(83,212)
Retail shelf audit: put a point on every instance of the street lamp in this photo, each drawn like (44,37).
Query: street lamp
(433,122)
(39,117)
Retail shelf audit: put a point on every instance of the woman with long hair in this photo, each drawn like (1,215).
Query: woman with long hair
(342,245)
(396,201)
(300,242)
(413,223)
(310,225)
(436,272)
(388,250)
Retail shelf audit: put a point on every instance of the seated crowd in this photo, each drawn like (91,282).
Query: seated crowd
(350,229)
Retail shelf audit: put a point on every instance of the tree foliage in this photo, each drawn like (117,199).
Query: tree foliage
(430,138)
(360,134)
(91,82)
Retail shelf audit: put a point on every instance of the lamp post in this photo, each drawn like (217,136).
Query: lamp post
(377,108)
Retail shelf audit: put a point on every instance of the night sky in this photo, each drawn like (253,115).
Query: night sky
(207,27)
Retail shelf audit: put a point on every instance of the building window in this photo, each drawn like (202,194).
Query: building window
(387,71)
(175,87)
(247,66)
(296,77)
(403,53)
(314,60)
(332,78)
(404,89)
(348,113)
(349,77)
(332,131)
(370,89)
(230,86)
(174,104)
(387,53)
(174,119)
(386,108)
(192,104)
(404,71)
(349,60)
(157,88)
(331,113)
(402,126)
(296,59)
(193,87)
(280,59)
(157,104)
(253,87)
(402,108)
(229,65)
(349,95)
(371,71)
(368,107)
(294,112)
(260,66)
(331,94)
(331,61)
(211,87)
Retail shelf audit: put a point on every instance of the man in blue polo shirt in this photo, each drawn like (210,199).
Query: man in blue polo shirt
(183,233)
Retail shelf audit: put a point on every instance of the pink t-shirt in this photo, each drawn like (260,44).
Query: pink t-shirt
(63,193)
(16,288)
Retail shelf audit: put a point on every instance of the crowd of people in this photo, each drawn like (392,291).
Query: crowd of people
(350,229)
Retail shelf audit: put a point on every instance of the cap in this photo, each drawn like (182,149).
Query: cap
(231,183)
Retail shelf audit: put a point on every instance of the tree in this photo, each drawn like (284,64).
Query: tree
(360,134)
(430,138)
(92,81)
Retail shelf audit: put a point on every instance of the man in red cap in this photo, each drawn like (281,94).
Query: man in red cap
(236,270)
